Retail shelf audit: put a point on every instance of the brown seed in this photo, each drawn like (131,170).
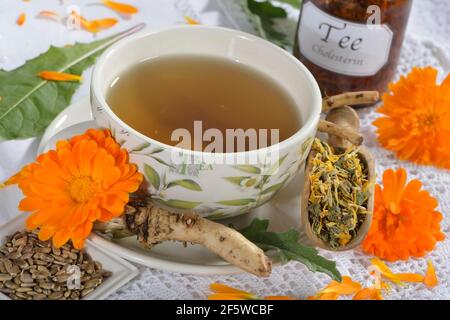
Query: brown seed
(92,283)
(90,268)
(85,292)
(44,250)
(21,263)
(41,275)
(75,296)
(11,285)
(8,265)
(98,265)
(2,267)
(6,290)
(40,262)
(21,241)
(23,289)
(39,296)
(61,278)
(55,295)
(27,249)
(106,274)
(5,277)
(14,255)
(23,295)
(26,277)
(47,285)
(56,251)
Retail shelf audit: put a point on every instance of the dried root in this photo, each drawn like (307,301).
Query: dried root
(350,99)
(333,129)
(153,225)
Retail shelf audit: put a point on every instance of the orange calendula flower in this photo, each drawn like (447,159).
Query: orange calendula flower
(430,279)
(405,222)
(58,76)
(120,7)
(87,178)
(191,21)
(416,125)
(21,19)
(335,289)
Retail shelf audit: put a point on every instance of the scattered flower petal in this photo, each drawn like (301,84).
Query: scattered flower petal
(224,292)
(368,294)
(275,298)
(406,222)
(191,21)
(335,289)
(21,19)
(120,7)
(58,76)
(85,24)
(103,23)
(430,277)
(49,15)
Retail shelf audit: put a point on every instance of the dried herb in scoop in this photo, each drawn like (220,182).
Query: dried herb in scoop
(339,194)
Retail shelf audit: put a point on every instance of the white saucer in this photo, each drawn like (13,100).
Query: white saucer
(283,212)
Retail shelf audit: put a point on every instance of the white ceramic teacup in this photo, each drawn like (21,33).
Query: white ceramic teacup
(213,190)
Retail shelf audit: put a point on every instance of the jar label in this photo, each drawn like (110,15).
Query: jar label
(341,46)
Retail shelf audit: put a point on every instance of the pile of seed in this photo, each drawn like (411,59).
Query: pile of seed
(31,269)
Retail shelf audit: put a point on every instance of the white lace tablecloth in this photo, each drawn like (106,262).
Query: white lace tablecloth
(427,43)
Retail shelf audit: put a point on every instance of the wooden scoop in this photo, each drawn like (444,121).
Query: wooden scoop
(346,124)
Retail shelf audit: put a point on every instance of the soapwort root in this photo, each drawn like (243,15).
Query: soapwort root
(154,225)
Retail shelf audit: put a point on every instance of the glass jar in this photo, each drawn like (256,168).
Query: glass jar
(351,45)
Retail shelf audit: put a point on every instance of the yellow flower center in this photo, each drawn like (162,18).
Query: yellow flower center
(82,189)
(420,122)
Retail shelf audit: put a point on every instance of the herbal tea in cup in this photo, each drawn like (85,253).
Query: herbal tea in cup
(163,96)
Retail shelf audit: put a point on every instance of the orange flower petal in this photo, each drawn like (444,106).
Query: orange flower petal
(61,237)
(430,278)
(222,288)
(346,287)
(46,232)
(50,15)
(58,76)
(21,19)
(120,7)
(225,297)
(104,23)
(410,277)
(325,296)
(191,21)
(84,23)
(274,298)
(368,294)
